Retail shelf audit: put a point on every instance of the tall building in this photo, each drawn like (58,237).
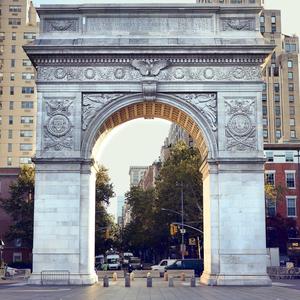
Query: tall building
(280,98)
(136,173)
(17,83)
(18,26)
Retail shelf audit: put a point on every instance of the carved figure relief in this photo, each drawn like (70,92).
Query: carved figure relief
(149,68)
(240,129)
(206,103)
(92,103)
(58,127)
(238,24)
(61,25)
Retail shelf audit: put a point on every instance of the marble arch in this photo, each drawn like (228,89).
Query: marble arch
(198,65)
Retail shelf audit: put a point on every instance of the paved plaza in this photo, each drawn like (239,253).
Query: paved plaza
(283,290)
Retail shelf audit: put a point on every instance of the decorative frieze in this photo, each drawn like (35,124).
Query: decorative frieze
(240,125)
(58,128)
(238,24)
(160,71)
(92,103)
(206,104)
(61,25)
(149,68)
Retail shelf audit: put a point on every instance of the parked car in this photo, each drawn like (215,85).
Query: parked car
(9,271)
(113,262)
(134,264)
(187,264)
(126,257)
(162,265)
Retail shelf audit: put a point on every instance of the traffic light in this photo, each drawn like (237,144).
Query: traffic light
(173,229)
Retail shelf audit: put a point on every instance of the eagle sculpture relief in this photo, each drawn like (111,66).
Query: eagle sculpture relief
(149,68)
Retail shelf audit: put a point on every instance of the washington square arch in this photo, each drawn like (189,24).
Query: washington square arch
(196,65)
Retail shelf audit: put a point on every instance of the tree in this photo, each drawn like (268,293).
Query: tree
(20,207)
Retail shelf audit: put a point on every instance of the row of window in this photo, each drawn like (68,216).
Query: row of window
(289,156)
(22,147)
(23,120)
(276,97)
(278,122)
(25,90)
(278,134)
(24,105)
(26,36)
(276,86)
(291,207)
(25,63)
(25,76)
(23,133)
(22,160)
(289,178)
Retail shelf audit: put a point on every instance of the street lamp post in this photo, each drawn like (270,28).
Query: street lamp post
(182,230)
(1,252)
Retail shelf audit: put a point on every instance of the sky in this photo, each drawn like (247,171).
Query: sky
(138,142)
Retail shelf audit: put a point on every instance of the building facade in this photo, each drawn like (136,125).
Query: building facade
(18,23)
(280,98)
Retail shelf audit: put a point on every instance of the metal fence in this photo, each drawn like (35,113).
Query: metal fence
(284,273)
(55,277)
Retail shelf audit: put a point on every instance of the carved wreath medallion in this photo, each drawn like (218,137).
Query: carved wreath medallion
(58,125)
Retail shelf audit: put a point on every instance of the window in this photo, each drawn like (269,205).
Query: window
(0,105)
(291,98)
(26,63)
(25,147)
(13,36)
(290,64)
(17,256)
(9,147)
(278,134)
(264,87)
(13,49)
(292,122)
(0,120)
(292,110)
(12,63)
(10,120)
(290,47)
(289,156)
(290,75)
(271,207)
(265,121)
(277,98)
(27,76)
(276,87)
(291,87)
(265,133)
(265,110)
(264,97)
(11,90)
(12,76)
(26,133)
(277,110)
(273,19)
(290,180)
(273,28)
(14,21)
(27,120)
(10,133)
(27,104)
(9,160)
(15,8)
(2,36)
(29,35)
(11,105)
(270,178)
(27,90)
(1,90)
(278,122)
(262,28)
(291,206)
(293,134)
(25,160)
(262,19)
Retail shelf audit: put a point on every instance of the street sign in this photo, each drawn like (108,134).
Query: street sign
(192,241)
(182,231)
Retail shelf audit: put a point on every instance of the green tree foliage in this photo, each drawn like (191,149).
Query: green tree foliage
(149,229)
(20,207)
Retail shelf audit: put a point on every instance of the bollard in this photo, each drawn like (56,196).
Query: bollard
(127,280)
(171,282)
(193,281)
(166,276)
(149,281)
(105,281)
(115,276)
(182,276)
(132,276)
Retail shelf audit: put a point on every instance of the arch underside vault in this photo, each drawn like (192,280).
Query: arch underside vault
(151,110)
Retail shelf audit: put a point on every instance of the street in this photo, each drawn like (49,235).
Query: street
(283,290)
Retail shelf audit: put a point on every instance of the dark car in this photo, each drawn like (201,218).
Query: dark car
(187,264)
(134,264)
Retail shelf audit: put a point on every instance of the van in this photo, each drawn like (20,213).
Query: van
(187,264)
(162,265)
(113,262)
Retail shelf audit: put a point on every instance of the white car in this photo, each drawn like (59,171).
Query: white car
(162,265)
(9,271)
